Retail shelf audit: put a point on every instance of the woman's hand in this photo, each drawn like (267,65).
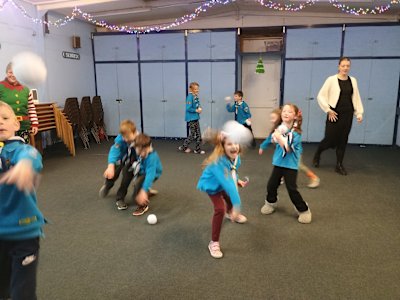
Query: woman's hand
(332,116)
(34,130)
(359,118)
(260,151)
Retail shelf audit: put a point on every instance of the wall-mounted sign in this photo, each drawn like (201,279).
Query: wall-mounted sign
(71,55)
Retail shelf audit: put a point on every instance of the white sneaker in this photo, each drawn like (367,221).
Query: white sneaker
(241,219)
(215,250)
(305,217)
(314,183)
(268,208)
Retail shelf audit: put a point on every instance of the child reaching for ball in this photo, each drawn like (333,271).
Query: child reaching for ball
(147,170)
(220,181)
(276,123)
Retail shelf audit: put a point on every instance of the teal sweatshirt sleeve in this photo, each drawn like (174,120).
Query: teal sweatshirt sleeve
(117,151)
(190,104)
(227,183)
(150,172)
(30,153)
(246,110)
(264,145)
(230,107)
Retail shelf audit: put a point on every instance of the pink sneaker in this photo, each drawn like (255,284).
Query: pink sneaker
(215,250)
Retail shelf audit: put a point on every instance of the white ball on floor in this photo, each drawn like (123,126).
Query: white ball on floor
(152,219)
(29,69)
(237,133)
(228,98)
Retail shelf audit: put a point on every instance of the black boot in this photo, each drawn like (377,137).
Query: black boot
(316,159)
(340,169)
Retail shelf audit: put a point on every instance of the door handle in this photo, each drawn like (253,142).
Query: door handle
(311,98)
(370,98)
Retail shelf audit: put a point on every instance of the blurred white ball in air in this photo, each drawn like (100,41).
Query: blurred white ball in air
(237,133)
(29,69)
(228,98)
(152,219)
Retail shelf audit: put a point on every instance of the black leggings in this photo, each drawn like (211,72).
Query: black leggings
(290,177)
(337,135)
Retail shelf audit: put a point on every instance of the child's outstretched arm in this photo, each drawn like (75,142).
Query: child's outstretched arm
(264,145)
(24,174)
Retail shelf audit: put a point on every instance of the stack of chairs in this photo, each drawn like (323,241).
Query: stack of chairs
(98,118)
(87,118)
(50,117)
(71,110)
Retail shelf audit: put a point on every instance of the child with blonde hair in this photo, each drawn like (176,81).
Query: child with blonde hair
(20,218)
(120,158)
(192,117)
(220,181)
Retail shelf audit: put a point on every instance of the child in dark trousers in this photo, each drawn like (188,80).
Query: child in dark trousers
(20,218)
(286,161)
(192,117)
(242,112)
(147,170)
(220,181)
(120,158)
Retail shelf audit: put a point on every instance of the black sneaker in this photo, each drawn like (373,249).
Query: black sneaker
(140,210)
(121,205)
(103,192)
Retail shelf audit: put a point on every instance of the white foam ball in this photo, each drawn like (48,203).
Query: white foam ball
(237,133)
(29,69)
(228,98)
(152,219)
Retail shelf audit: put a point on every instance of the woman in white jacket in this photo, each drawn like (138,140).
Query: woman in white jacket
(340,99)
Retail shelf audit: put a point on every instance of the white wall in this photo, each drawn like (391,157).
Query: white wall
(66,77)
(18,34)
(69,77)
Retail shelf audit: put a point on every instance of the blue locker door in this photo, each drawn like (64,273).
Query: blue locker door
(314,42)
(152,99)
(372,41)
(174,97)
(297,89)
(115,47)
(223,45)
(119,81)
(380,105)
(200,72)
(320,71)
(199,45)
(223,84)
(162,46)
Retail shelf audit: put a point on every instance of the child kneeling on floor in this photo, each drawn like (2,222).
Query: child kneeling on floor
(146,170)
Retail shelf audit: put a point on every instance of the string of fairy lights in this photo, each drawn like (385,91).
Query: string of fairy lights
(290,7)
